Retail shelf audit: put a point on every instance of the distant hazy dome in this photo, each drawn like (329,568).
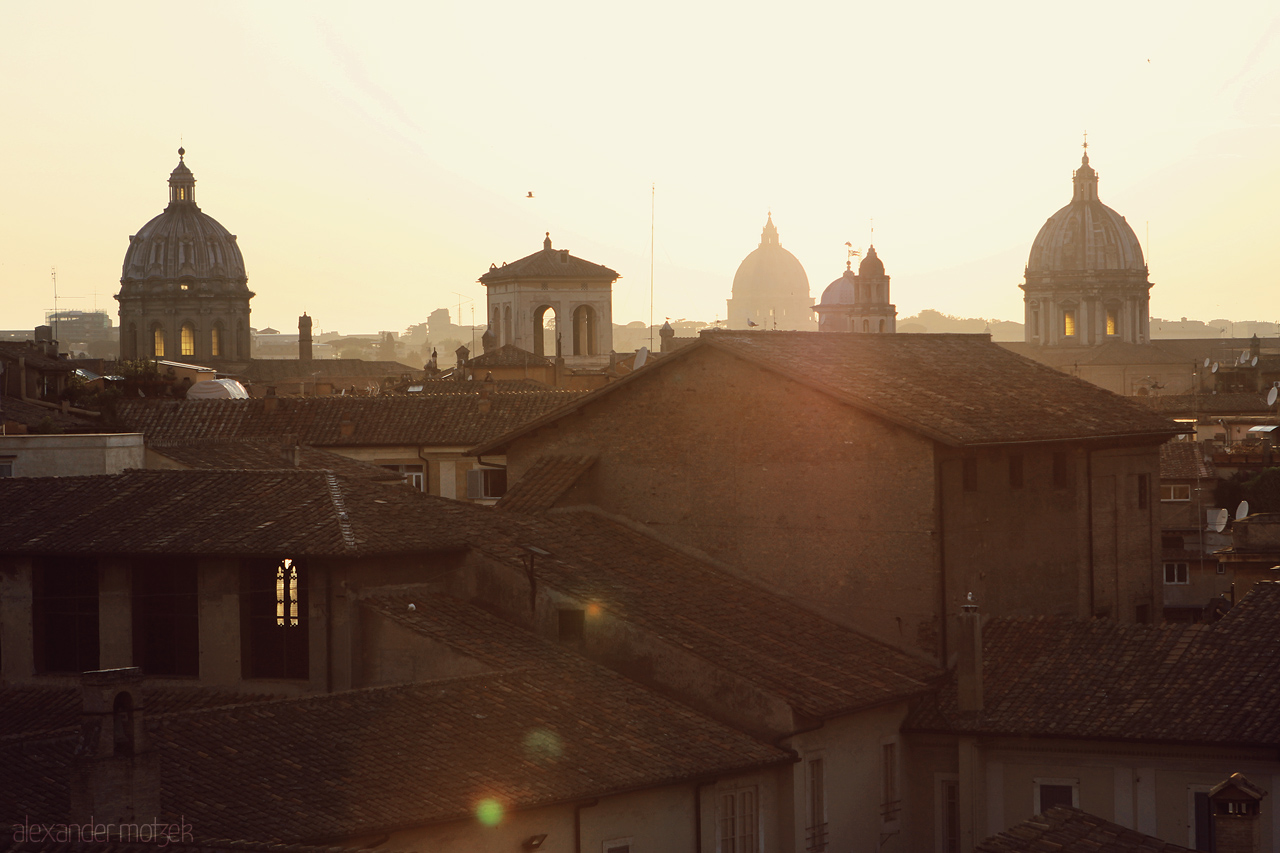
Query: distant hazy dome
(871,264)
(184,243)
(1086,234)
(770,270)
(841,291)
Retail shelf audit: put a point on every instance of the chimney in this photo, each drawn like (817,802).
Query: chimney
(486,387)
(969,659)
(1236,804)
(304,338)
(270,402)
(115,778)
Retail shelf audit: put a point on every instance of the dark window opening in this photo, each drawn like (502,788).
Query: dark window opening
(486,482)
(65,615)
(166,619)
(969,475)
(275,637)
(950,816)
(573,625)
(1205,839)
(1015,471)
(1060,470)
(1055,795)
(1144,490)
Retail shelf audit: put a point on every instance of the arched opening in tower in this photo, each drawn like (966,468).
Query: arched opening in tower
(545,330)
(584,330)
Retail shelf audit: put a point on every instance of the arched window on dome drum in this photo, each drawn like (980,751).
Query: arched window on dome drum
(215,340)
(584,330)
(157,341)
(1069,323)
(1113,321)
(187,339)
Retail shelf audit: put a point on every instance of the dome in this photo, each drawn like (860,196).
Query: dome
(1086,234)
(182,243)
(840,291)
(871,264)
(770,271)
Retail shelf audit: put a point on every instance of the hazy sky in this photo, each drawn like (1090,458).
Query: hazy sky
(375,159)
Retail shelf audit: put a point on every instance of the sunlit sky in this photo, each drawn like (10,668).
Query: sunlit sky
(374,159)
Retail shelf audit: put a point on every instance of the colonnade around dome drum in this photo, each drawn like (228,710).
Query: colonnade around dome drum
(175,338)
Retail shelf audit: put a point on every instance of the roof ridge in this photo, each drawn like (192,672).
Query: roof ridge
(340,506)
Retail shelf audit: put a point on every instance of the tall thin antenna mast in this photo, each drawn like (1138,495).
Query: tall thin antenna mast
(653,195)
(54,273)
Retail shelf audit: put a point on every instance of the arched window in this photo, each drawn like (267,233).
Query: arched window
(1068,323)
(1113,321)
(187,342)
(584,330)
(215,340)
(287,594)
(545,330)
(157,341)
(507,328)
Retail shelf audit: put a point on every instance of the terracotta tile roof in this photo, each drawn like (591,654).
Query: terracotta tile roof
(509,355)
(548,263)
(265,454)
(822,669)
(263,371)
(1052,677)
(1112,352)
(1186,460)
(428,419)
(956,389)
(545,481)
(11,351)
(233,513)
(16,410)
(30,710)
(1067,830)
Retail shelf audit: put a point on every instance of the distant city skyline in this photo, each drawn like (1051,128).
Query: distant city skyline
(375,163)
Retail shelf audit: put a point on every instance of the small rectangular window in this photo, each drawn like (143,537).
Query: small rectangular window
(1175,492)
(1144,489)
(483,483)
(1176,573)
(1055,792)
(969,474)
(6,466)
(1060,470)
(1015,470)
(1069,323)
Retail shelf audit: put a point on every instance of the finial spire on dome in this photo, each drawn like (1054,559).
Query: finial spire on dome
(769,236)
(1084,160)
(546,244)
(1085,179)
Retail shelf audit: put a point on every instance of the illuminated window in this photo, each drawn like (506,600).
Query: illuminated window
(157,342)
(274,611)
(287,594)
(1069,323)
(215,341)
(188,340)
(1111,321)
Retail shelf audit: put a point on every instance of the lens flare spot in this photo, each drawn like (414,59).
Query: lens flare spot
(593,610)
(542,744)
(489,812)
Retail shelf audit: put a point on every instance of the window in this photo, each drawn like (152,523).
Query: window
(6,466)
(572,625)
(1015,470)
(1175,492)
(890,800)
(1144,489)
(274,639)
(157,342)
(1060,470)
(483,483)
(1069,323)
(815,835)
(948,814)
(1055,792)
(215,341)
(188,339)
(736,829)
(166,618)
(1202,834)
(65,615)
(969,475)
(1175,573)
(1111,321)
(412,474)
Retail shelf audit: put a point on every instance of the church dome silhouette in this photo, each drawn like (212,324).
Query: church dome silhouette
(183,245)
(770,272)
(871,263)
(840,291)
(1085,234)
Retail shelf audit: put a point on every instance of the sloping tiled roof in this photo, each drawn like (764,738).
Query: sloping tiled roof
(1067,830)
(1185,460)
(35,710)
(548,263)
(232,513)
(1187,405)
(508,355)
(29,414)
(1109,353)
(1053,677)
(820,668)
(452,418)
(253,454)
(546,480)
(262,371)
(35,358)
(956,389)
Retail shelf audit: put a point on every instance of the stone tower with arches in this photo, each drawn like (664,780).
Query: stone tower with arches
(552,304)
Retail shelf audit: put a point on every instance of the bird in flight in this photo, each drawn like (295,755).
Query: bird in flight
(530,195)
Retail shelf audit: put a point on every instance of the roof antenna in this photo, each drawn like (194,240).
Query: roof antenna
(873,232)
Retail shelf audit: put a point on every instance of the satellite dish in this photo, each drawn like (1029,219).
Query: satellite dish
(1253,362)
(1242,510)
(1206,362)
(642,355)
(1271,395)
(1219,522)
(1215,368)
(1244,356)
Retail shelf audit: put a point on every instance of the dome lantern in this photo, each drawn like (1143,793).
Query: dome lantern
(182,184)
